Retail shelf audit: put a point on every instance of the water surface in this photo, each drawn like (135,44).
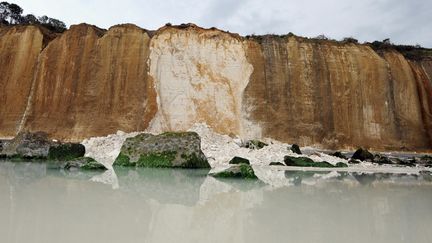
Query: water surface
(39,204)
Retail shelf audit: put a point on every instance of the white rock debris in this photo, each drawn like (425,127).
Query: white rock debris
(106,149)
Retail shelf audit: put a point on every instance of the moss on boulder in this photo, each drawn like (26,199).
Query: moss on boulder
(66,151)
(167,150)
(84,163)
(243,171)
(307,162)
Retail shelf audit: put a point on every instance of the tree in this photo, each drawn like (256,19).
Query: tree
(56,25)
(322,37)
(15,13)
(43,19)
(29,19)
(11,13)
(4,12)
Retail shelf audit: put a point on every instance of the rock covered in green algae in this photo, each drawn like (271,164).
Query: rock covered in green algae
(295,149)
(66,151)
(239,160)
(84,163)
(243,171)
(255,144)
(307,162)
(167,150)
(27,146)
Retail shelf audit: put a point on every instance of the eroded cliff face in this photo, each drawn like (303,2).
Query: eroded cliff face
(199,76)
(19,51)
(335,95)
(92,82)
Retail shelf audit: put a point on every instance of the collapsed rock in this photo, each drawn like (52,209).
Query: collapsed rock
(37,146)
(239,160)
(307,162)
(169,150)
(28,145)
(338,154)
(243,171)
(363,155)
(381,159)
(295,149)
(67,151)
(255,144)
(276,164)
(84,163)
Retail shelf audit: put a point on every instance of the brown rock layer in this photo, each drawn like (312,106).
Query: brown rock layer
(90,83)
(19,47)
(337,95)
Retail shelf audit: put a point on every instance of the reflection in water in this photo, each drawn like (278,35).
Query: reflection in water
(38,204)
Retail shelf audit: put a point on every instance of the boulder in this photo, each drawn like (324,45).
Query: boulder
(363,155)
(169,150)
(381,159)
(255,144)
(66,151)
(243,171)
(425,160)
(28,145)
(276,164)
(339,155)
(307,162)
(295,149)
(239,160)
(404,162)
(353,161)
(84,163)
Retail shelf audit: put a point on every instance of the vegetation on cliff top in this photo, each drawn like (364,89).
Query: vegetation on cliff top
(12,14)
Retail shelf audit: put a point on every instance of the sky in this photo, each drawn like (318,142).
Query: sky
(403,21)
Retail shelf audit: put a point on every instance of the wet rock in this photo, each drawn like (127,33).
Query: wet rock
(340,165)
(404,162)
(239,160)
(363,155)
(243,171)
(67,151)
(339,155)
(425,160)
(276,163)
(381,159)
(353,161)
(169,150)
(28,145)
(84,163)
(255,144)
(295,149)
(307,162)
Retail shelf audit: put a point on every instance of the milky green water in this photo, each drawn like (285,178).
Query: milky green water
(38,204)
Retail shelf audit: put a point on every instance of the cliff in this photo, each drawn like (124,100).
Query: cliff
(92,82)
